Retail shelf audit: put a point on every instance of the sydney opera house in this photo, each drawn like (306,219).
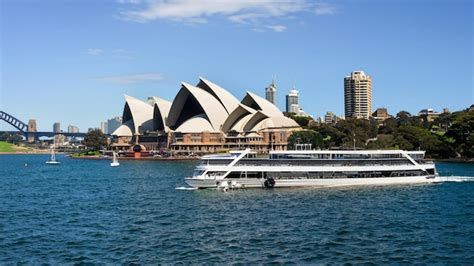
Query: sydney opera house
(201,119)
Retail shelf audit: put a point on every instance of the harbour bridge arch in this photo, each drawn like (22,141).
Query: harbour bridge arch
(15,122)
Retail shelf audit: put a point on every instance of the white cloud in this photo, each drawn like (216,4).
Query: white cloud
(237,11)
(119,51)
(324,9)
(277,28)
(94,51)
(129,1)
(132,78)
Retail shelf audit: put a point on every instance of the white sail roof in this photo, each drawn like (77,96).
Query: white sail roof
(238,118)
(254,120)
(205,107)
(225,98)
(274,122)
(161,109)
(192,101)
(196,124)
(256,102)
(139,112)
(124,130)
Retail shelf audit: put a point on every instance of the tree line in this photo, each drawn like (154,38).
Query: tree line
(449,135)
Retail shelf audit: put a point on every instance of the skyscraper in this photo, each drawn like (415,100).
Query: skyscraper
(113,124)
(72,129)
(358,95)
(103,127)
(270,92)
(57,127)
(292,105)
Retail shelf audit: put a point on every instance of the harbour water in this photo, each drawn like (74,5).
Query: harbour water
(87,211)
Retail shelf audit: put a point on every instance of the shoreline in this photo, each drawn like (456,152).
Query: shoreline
(455,160)
(138,159)
(183,158)
(25,152)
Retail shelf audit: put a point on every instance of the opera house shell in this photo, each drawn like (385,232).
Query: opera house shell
(204,118)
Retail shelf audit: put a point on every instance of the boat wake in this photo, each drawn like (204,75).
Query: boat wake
(186,188)
(454,179)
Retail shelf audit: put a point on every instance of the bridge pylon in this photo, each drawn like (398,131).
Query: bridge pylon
(31,136)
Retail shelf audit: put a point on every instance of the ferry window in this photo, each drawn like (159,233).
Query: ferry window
(234,175)
(252,174)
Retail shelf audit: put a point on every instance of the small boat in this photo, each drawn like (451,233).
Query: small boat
(53,158)
(115,161)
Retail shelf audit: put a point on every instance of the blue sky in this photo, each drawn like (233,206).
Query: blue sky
(71,61)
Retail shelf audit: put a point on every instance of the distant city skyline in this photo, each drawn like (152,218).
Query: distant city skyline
(72,62)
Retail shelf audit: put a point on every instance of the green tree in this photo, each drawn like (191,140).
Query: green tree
(389,126)
(404,118)
(420,138)
(332,137)
(461,131)
(401,143)
(14,138)
(306,137)
(302,120)
(95,140)
(360,129)
(383,141)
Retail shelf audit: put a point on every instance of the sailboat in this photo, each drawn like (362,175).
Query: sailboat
(53,158)
(115,161)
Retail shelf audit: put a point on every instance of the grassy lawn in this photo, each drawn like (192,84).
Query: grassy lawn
(86,153)
(6,147)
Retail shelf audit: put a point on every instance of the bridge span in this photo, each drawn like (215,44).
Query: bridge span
(39,134)
(29,130)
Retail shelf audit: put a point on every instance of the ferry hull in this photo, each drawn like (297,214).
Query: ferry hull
(281,183)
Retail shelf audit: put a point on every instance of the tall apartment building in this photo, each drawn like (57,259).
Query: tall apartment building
(358,95)
(72,129)
(113,124)
(57,127)
(270,92)
(292,102)
(330,118)
(103,127)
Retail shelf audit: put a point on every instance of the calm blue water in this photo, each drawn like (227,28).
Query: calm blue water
(86,211)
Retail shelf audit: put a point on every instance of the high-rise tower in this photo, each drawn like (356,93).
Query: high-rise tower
(57,127)
(358,95)
(292,102)
(270,92)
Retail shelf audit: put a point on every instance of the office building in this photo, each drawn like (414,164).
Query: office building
(430,114)
(270,92)
(330,118)
(292,102)
(72,129)
(358,95)
(103,127)
(57,127)
(113,124)
(380,115)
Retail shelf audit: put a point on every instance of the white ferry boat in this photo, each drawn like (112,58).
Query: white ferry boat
(321,168)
